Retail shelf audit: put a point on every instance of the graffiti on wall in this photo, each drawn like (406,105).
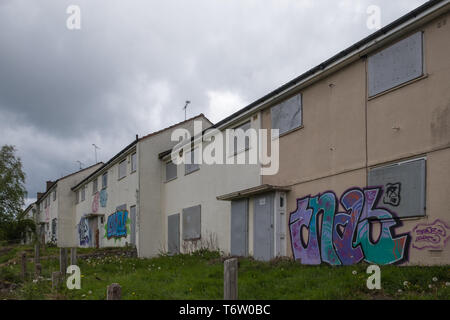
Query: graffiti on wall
(95,202)
(431,236)
(103,198)
(392,194)
(84,232)
(345,238)
(117,225)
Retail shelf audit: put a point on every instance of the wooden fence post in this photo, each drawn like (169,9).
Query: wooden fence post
(113,292)
(73,256)
(63,261)
(37,256)
(24,265)
(37,270)
(56,279)
(230,279)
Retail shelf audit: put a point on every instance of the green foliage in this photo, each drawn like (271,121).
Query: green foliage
(199,276)
(12,184)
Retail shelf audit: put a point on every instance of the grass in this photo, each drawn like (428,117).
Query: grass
(200,276)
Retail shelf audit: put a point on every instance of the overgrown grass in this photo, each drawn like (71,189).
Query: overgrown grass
(200,276)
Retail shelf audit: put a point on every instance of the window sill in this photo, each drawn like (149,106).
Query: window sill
(170,180)
(188,173)
(424,76)
(288,132)
(239,152)
(121,178)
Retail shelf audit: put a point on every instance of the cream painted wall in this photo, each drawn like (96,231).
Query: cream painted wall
(201,188)
(120,192)
(328,153)
(151,220)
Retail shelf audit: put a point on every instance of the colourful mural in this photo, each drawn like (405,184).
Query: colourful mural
(117,225)
(95,202)
(431,236)
(103,198)
(345,238)
(84,232)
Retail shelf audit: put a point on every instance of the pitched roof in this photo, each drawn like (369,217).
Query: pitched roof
(124,150)
(56,181)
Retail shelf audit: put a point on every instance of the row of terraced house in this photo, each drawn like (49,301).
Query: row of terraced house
(362,170)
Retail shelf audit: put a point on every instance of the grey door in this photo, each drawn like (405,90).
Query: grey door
(239,227)
(173,224)
(133,225)
(263,233)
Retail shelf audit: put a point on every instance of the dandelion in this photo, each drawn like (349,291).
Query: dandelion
(354,272)
(400,290)
(90,292)
(405,283)
(430,286)
(447,284)
(434,279)
(83,295)
(35,281)
(133,293)
(159,268)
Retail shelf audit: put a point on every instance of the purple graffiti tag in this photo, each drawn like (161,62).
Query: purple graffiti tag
(352,201)
(307,253)
(326,203)
(432,236)
(345,237)
(388,248)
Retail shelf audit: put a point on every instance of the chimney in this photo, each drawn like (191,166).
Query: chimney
(49,184)
(39,195)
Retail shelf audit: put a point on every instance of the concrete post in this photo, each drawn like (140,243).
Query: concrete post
(230,279)
(63,260)
(56,279)
(73,256)
(37,256)
(24,265)
(113,292)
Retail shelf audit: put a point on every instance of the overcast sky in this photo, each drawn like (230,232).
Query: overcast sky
(134,63)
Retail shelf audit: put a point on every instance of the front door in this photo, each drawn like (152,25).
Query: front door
(93,226)
(263,234)
(239,227)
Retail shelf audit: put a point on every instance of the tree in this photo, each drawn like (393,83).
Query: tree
(12,185)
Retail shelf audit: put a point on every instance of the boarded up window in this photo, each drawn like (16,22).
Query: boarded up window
(133,162)
(122,169)
(404,187)
(396,65)
(105,180)
(193,157)
(287,115)
(171,171)
(192,223)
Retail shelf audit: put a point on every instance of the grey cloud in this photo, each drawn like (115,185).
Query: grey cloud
(134,63)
